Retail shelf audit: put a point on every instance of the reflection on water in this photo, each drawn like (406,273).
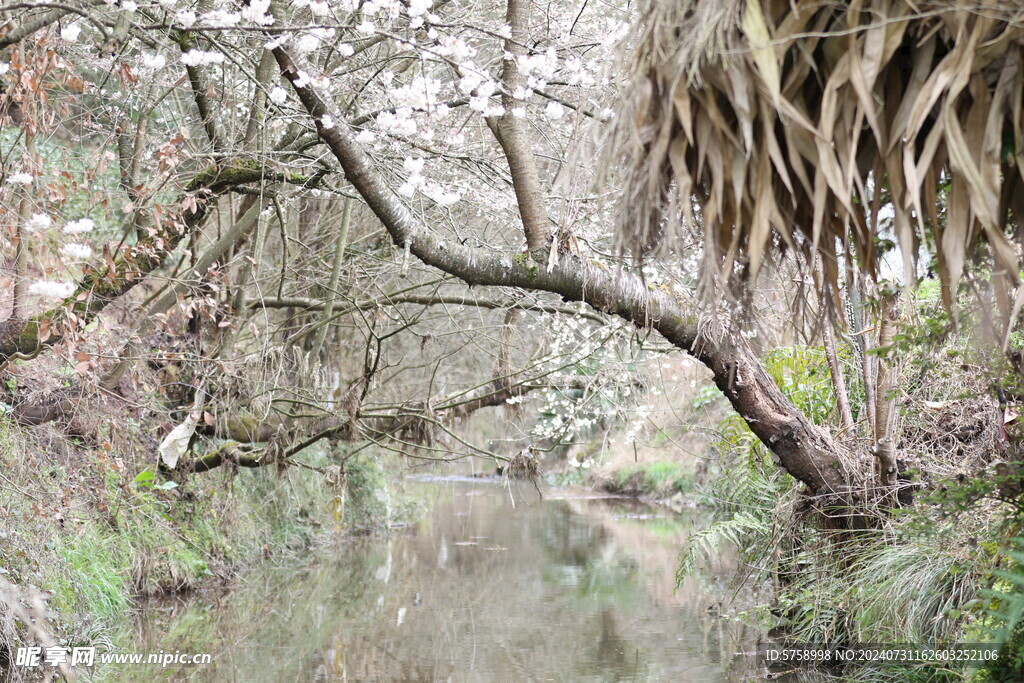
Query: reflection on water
(564,589)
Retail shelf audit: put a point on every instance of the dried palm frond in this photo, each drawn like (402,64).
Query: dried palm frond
(790,124)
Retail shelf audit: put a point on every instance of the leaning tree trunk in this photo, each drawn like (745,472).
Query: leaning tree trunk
(805,451)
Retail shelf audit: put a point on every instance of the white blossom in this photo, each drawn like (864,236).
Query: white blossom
(419,7)
(456,48)
(201,58)
(129,5)
(185,18)
(319,8)
(153,61)
(413,165)
(70,33)
(470,81)
(554,110)
(307,43)
(398,122)
(20,178)
(276,42)
(221,19)
(278,95)
(76,251)
(365,137)
(421,94)
(438,194)
(51,289)
(346,50)
(39,221)
(258,12)
(4,68)
(327,122)
(80,226)
(366,27)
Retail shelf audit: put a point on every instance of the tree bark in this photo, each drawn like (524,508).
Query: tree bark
(884,449)
(838,380)
(509,131)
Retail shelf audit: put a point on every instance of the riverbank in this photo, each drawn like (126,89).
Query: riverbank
(88,528)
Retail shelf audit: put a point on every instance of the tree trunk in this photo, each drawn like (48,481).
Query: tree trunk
(838,381)
(884,449)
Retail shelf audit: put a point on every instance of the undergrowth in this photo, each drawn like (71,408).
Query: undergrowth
(916,575)
(89,531)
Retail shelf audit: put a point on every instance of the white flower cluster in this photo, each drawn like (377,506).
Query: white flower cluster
(307,43)
(258,12)
(319,8)
(278,95)
(76,251)
(579,74)
(439,195)
(20,178)
(51,289)
(481,99)
(414,167)
(420,94)
(565,415)
(642,414)
(456,48)
(201,58)
(153,61)
(433,191)
(398,122)
(220,19)
(554,110)
(70,33)
(418,10)
(82,225)
(38,222)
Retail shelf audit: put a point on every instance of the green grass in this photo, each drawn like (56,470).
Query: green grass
(654,479)
(98,576)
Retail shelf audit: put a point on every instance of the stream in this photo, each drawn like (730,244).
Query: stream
(493,584)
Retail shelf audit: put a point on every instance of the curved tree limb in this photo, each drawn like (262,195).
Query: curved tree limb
(805,451)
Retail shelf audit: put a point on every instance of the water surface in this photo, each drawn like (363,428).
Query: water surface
(492,585)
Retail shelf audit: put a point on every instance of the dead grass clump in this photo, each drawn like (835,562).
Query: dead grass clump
(945,438)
